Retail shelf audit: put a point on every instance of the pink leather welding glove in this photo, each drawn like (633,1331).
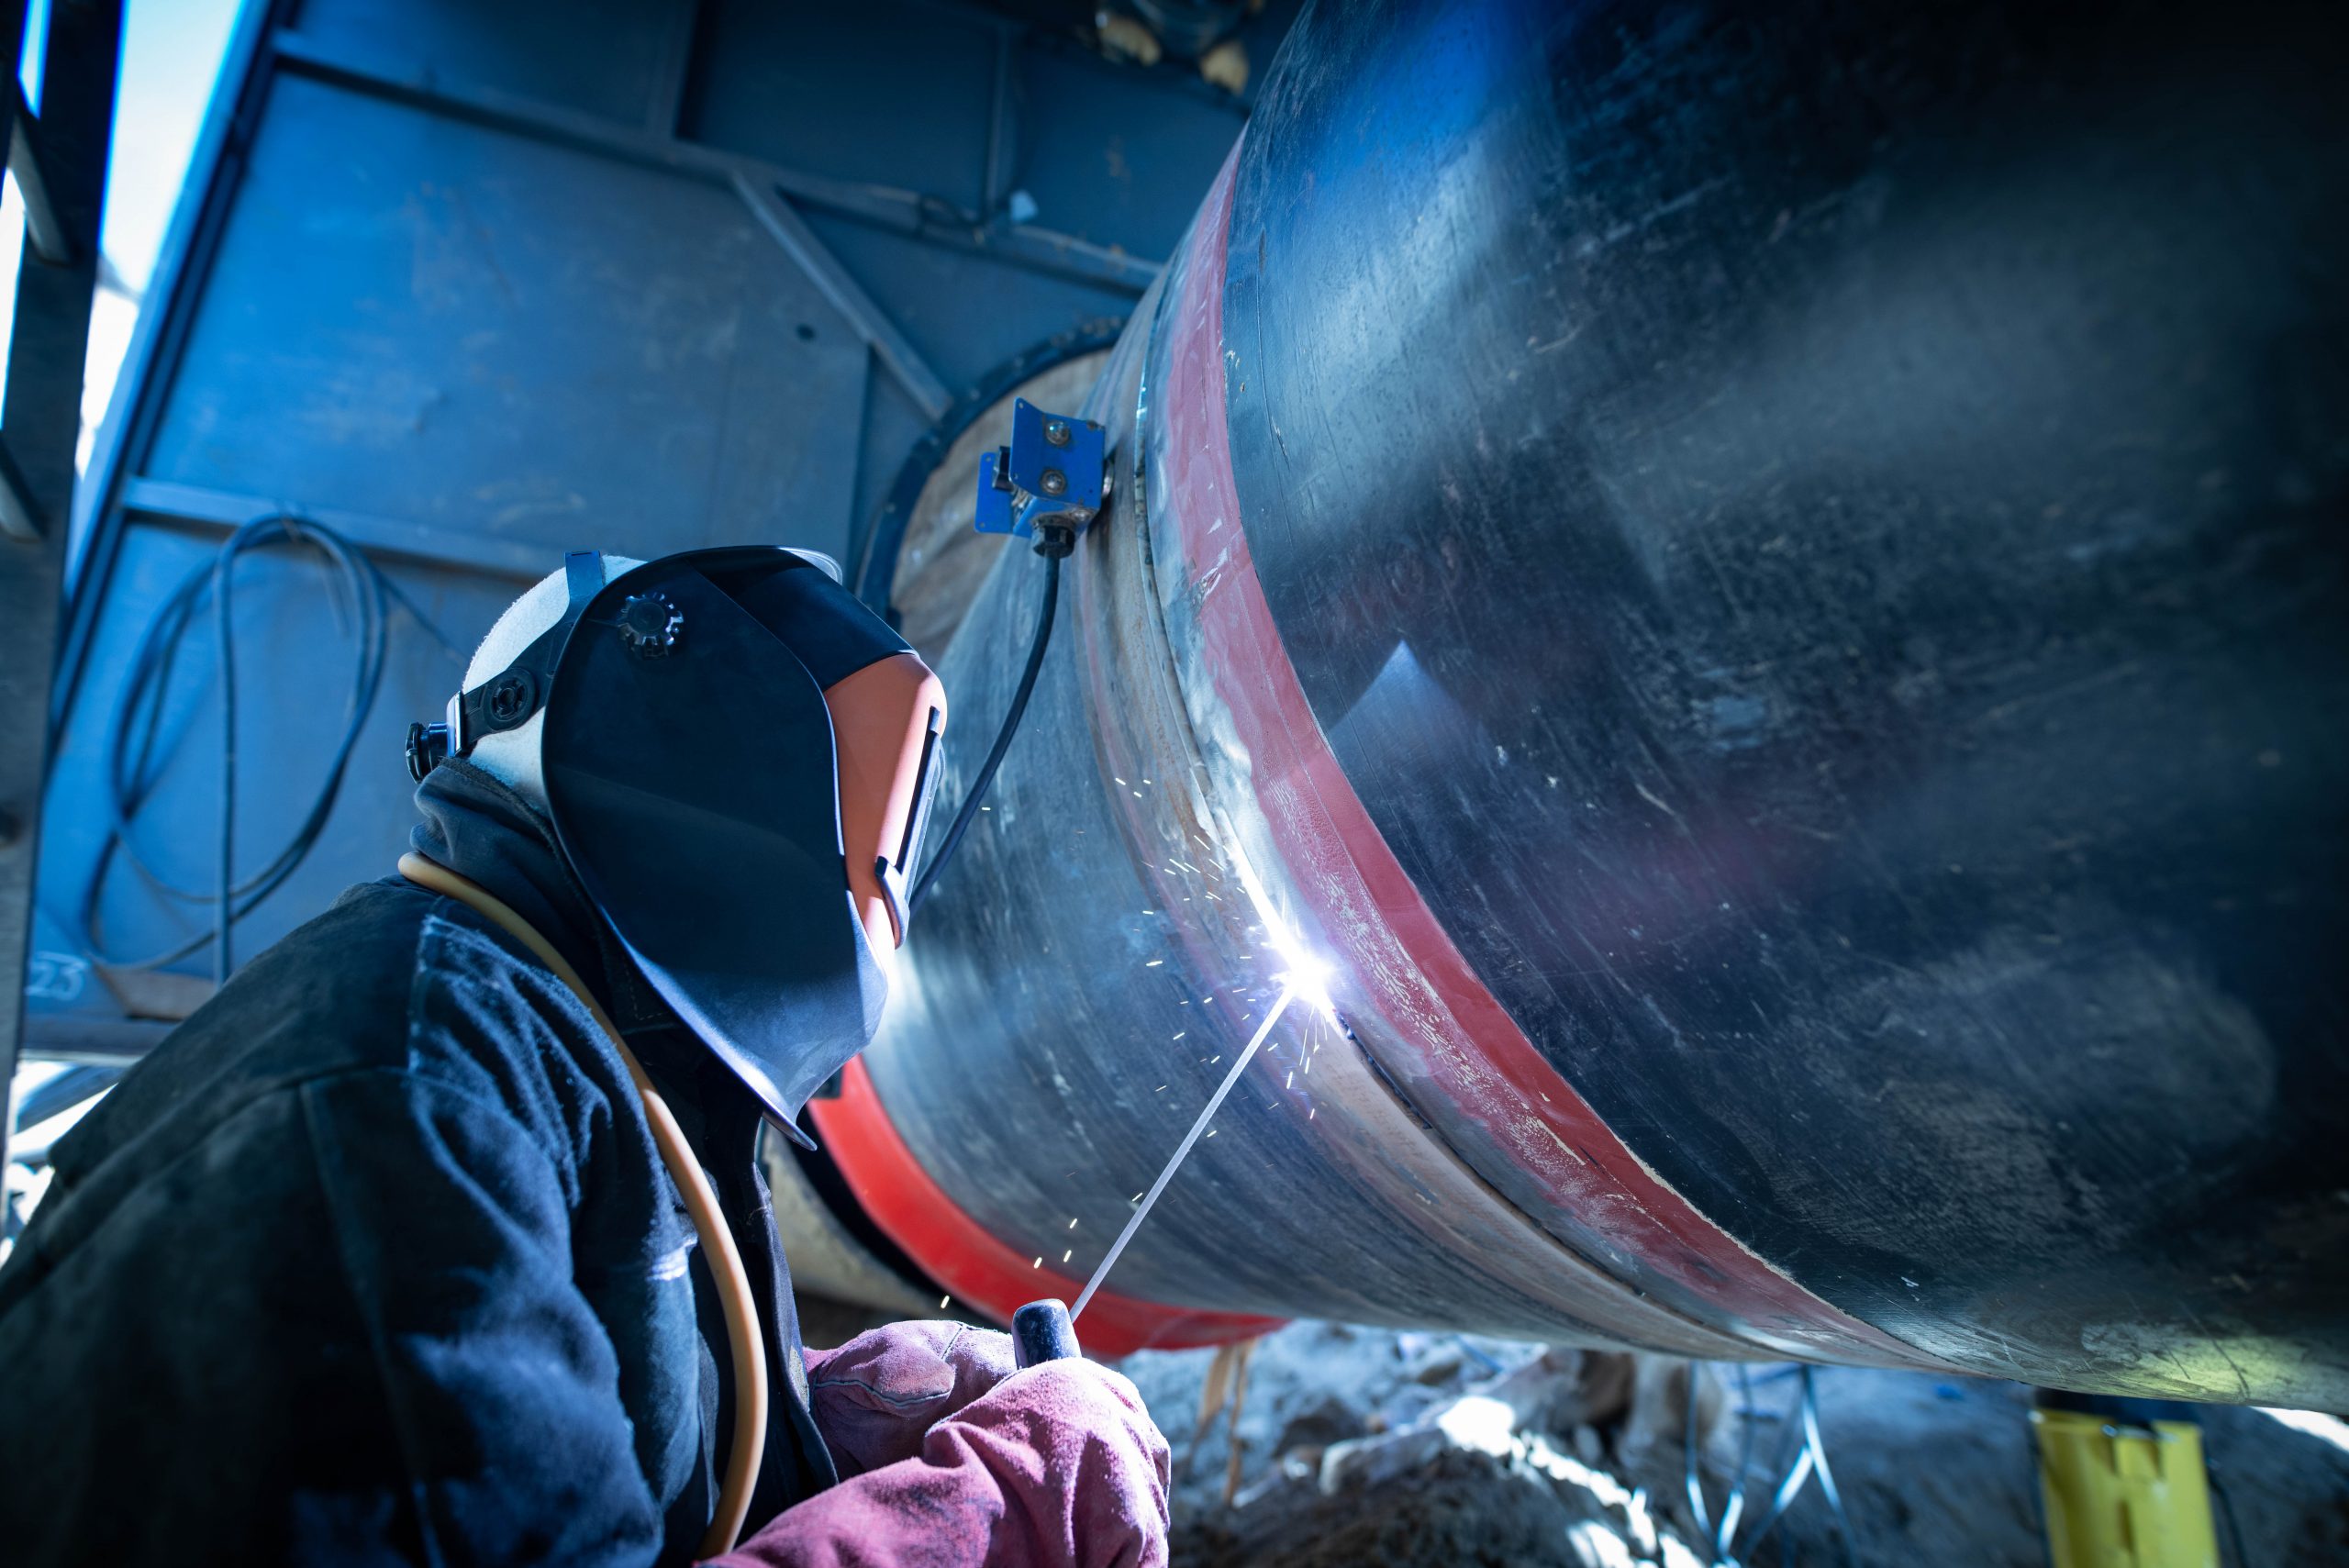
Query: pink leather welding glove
(876,1397)
(1058,1466)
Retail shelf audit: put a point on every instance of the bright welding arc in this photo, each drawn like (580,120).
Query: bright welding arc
(1308,974)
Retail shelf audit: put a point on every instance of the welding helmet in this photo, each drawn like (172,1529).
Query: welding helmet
(738,759)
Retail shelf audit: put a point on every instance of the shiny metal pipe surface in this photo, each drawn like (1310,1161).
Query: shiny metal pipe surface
(1767,591)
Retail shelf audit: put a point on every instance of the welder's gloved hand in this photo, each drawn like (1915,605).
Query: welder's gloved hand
(874,1397)
(1058,1466)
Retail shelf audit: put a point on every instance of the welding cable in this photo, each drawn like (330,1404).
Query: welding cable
(1811,1456)
(1826,1476)
(1692,1472)
(136,731)
(985,775)
(718,1246)
(1792,1466)
(1733,1510)
(1689,1475)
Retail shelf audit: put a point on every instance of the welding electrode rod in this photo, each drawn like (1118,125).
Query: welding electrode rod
(1175,1164)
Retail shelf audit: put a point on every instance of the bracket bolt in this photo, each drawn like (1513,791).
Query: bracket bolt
(1056,432)
(1053,482)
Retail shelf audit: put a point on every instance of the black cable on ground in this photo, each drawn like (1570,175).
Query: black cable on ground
(985,775)
(133,768)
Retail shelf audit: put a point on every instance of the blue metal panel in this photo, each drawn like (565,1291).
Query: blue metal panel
(603,56)
(470,310)
(1093,173)
(891,91)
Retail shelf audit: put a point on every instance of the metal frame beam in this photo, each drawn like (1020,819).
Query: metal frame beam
(20,519)
(45,231)
(42,418)
(192,507)
(911,213)
(216,168)
(868,320)
(99,1042)
(1003,121)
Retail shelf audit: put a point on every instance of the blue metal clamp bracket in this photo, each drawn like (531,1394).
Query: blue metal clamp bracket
(1052,473)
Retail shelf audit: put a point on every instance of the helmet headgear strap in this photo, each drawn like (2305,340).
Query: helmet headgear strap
(508,699)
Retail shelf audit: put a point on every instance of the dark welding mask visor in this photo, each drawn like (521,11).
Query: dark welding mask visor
(691,778)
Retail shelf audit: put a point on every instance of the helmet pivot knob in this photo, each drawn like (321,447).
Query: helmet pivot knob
(649,624)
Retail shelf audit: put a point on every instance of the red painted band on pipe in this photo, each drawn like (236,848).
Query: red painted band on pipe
(1387,938)
(966,1259)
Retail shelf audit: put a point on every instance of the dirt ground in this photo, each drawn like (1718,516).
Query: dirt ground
(1355,1447)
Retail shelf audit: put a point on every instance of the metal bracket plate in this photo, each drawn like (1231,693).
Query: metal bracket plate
(1054,471)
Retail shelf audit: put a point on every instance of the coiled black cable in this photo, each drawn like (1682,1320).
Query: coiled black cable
(134,767)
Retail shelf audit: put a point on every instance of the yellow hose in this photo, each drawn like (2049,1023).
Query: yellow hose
(718,1241)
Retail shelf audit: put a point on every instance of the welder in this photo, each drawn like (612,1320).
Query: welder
(437,1233)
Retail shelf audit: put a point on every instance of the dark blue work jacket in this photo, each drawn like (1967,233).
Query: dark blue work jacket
(373,1260)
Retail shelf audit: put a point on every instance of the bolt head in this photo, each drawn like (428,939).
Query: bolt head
(509,700)
(649,624)
(1056,432)
(1053,482)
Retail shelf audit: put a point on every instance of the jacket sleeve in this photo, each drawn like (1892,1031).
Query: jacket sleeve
(1057,1466)
(338,1325)
(450,1228)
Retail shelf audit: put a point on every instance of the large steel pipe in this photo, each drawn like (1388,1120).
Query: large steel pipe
(1766,587)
